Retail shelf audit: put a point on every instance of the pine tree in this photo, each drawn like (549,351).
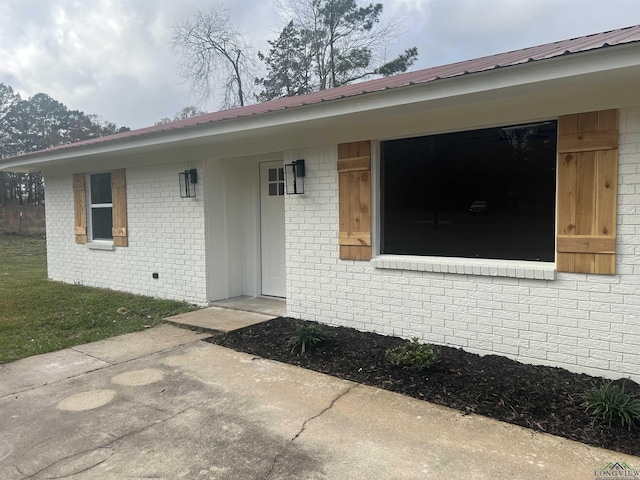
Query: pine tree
(35,124)
(288,64)
(329,43)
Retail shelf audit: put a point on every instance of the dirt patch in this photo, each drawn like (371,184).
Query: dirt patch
(546,399)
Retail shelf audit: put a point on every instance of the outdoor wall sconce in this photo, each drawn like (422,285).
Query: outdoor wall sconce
(294,177)
(188,180)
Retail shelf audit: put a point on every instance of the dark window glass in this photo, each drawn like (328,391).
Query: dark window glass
(280,188)
(100,188)
(273,174)
(273,189)
(281,174)
(102,221)
(479,194)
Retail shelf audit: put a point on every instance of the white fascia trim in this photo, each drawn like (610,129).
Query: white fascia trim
(574,65)
(467,266)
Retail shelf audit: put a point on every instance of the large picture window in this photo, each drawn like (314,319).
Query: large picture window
(486,193)
(101,206)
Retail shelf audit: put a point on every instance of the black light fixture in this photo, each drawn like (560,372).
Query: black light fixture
(188,180)
(294,177)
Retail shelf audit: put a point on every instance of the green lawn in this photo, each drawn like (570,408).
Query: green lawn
(38,315)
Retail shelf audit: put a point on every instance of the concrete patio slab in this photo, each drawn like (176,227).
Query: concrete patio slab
(216,319)
(200,411)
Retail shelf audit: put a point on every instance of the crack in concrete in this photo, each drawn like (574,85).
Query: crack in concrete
(93,356)
(109,365)
(106,445)
(303,428)
(33,387)
(82,470)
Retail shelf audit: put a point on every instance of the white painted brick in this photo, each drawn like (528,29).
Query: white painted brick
(622,369)
(564,313)
(561,358)
(544,328)
(532,353)
(156,239)
(630,357)
(606,356)
(594,306)
(611,337)
(488,329)
(626,328)
(518,307)
(508,350)
(590,362)
(483,313)
(563,340)
(606,317)
(595,325)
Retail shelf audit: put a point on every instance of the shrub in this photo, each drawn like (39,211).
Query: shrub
(611,403)
(306,336)
(413,355)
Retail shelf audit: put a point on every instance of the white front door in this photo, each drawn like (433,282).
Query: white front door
(272,247)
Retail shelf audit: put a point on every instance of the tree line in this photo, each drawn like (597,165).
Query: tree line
(324,44)
(36,123)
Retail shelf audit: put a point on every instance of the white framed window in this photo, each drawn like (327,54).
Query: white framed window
(100,206)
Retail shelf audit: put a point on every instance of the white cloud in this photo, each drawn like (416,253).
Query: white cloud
(114,58)
(463,29)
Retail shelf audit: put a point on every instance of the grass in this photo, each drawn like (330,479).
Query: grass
(38,315)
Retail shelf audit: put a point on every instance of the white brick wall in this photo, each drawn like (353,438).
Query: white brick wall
(166,235)
(585,323)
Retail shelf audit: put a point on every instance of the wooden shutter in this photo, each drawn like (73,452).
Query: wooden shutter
(354,187)
(587,192)
(80,207)
(119,201)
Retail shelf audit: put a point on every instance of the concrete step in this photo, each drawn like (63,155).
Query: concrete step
(218,320)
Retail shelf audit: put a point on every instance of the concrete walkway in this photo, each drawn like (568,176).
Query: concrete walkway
(163,404)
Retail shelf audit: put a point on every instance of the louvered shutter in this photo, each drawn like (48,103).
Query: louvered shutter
(587,192)
(354,172)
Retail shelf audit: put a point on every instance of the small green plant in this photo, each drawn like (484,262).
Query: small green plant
(413,355)
(611,403)
(306,336)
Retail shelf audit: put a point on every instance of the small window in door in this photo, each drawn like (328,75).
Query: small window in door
(276,182)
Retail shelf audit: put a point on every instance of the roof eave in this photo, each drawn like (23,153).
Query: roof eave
(571,65)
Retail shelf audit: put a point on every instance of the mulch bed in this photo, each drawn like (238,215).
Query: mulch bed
(546,399)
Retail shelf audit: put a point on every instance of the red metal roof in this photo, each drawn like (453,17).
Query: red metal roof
(507,59)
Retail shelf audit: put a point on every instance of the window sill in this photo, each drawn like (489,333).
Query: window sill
(468,266)
(95,245)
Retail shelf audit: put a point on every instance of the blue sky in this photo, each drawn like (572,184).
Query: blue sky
(113,57)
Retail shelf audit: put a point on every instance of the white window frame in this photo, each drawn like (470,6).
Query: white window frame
(90,207)
(460,265)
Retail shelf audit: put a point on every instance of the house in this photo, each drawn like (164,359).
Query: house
(491,204)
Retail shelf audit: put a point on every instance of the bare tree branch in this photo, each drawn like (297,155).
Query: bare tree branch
(213,53)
